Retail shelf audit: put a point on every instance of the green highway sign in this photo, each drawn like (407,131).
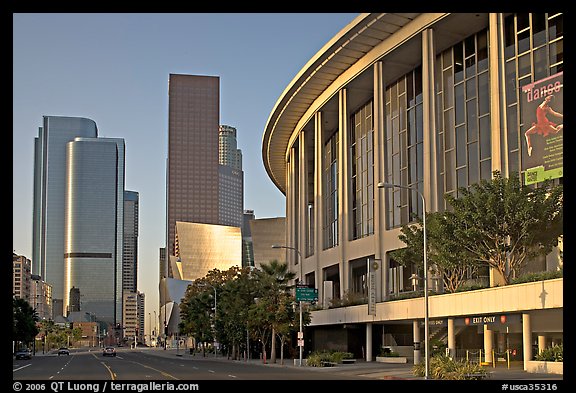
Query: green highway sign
(305,294)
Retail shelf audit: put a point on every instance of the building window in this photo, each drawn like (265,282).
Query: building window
(463,115)
(332,273)
(359,278)
(361,140)
(330,162)
(310,170)
(404,155)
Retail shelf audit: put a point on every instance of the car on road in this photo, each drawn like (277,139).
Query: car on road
(109,351)
(23,353)
(63,351)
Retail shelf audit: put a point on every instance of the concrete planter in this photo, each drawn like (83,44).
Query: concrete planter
(391,359)
(536,366)
(297,362)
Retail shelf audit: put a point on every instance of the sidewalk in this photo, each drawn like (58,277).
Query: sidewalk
(374,370)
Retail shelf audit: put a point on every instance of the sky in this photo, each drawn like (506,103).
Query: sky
(113,68)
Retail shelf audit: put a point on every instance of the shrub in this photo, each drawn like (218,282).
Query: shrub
(349,299)
(442,367)
(316,358)
(552,354)
(387,352)
(540,276)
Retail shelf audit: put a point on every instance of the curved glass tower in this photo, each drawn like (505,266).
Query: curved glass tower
(49,190)
(94,225)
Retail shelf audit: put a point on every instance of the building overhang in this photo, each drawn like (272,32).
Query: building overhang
(370,37)
(351,44)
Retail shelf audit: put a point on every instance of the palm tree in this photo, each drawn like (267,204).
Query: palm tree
(276,277)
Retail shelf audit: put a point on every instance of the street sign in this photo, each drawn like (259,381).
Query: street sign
(300,343)
(300,335)
(305,294)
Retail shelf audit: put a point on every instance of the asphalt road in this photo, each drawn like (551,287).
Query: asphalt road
(145,366)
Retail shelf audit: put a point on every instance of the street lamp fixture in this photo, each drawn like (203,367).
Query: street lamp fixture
(426,332)
(301,334)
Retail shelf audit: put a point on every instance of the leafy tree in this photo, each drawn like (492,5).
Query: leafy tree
(195,313)
(498,223)
(445,255)
(504,224)
(235,298)
(24,319)
(238,314)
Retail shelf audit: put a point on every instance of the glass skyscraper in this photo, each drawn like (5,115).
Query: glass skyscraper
(94,225)
(231,187)
(192,168)
(49,195)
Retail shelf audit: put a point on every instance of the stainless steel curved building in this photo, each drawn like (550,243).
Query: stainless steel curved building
(433,102)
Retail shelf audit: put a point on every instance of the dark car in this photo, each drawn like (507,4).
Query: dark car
(109,351)
(23,354)
(63,351)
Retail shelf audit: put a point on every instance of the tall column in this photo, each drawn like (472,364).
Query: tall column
(541,342)
(526,339)
(302,200)
(292,209)
(369,341)
(343,186)
(318,215)
(416,333)
(429,120)
(497,92)
(488,344)
(451,338)
(379,209)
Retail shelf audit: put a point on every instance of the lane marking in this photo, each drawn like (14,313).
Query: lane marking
(159,371)
(211,371)
(20,368)
(112,374)
(232,376)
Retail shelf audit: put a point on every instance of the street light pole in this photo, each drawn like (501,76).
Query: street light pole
(426,332)
(301,334)
(155,331)
(165,332)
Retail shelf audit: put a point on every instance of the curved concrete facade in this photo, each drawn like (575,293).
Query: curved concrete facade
(428,101)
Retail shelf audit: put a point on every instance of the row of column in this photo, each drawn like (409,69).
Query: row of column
(297,168)
(488,341)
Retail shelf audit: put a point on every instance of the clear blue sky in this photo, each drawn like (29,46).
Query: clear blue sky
(114,68)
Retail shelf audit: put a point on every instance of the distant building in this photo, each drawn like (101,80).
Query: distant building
(192,179)
(89,335)
(171,293)
(94,225)
(50,186)
(74,304)
(247,246)
(41,297)
(21,277)
(231,187)
(203,247)
(267,232)
(141,317)
(57,308)
(130,312)
(130,254)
